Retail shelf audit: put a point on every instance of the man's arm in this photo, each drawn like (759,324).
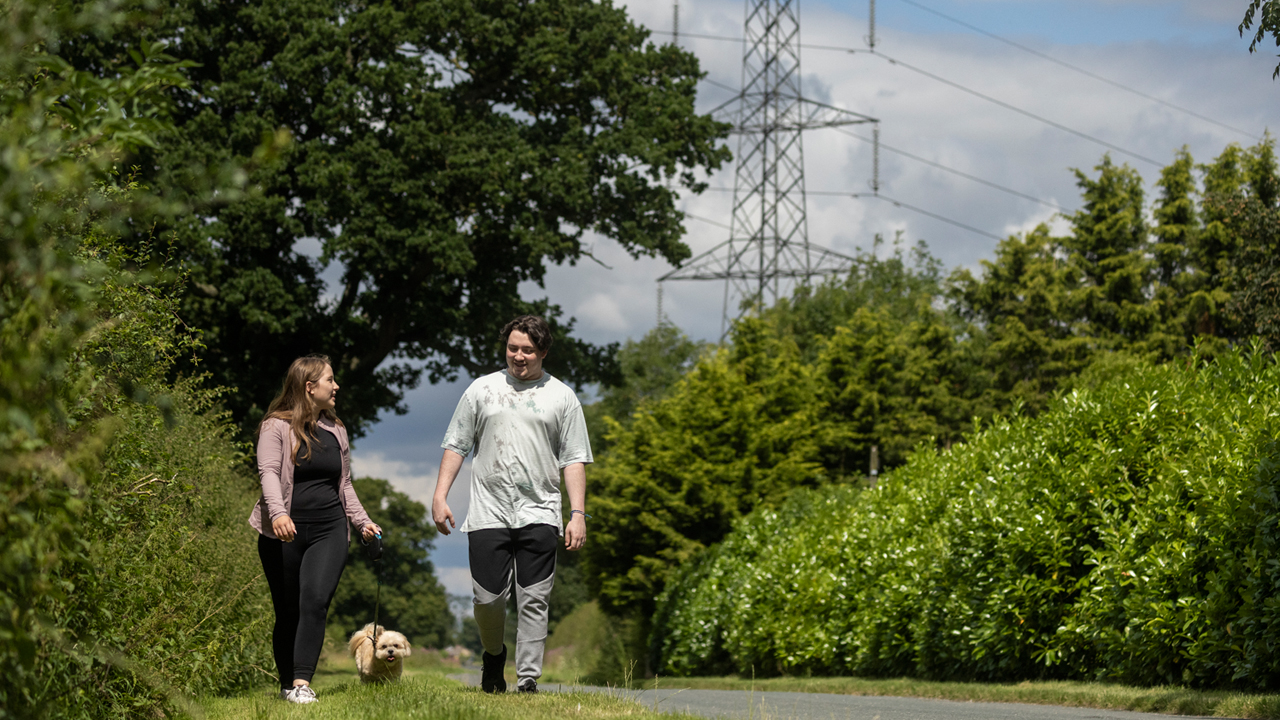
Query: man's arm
(440,512)
(575,483)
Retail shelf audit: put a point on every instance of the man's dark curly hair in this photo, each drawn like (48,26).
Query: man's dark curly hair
(532,325)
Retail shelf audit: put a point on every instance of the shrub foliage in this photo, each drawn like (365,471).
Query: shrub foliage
(1129,533)
(126,576)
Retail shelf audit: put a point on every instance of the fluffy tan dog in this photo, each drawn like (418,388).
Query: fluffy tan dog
(383,663)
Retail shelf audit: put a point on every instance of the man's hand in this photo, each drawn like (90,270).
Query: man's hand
(442,516)
(450,463)
(283,528)
(575,533)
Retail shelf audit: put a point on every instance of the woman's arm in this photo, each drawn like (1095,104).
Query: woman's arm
(355,511)
(274,448)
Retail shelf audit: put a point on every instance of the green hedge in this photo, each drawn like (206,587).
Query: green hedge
(1130,533)
(159,594)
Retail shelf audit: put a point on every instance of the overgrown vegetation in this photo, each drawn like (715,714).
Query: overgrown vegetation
(1130,533)
(126,579)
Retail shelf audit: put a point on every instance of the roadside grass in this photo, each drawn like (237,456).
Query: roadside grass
(585,642)
(1167,700)
(425,691)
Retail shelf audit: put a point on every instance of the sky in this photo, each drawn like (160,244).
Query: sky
(1186,53)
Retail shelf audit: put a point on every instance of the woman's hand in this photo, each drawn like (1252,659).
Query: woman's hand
(369,531)
(283,528)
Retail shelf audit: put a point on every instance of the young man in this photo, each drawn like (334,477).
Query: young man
(525,427)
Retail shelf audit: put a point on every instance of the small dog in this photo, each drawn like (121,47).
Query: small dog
(383,663)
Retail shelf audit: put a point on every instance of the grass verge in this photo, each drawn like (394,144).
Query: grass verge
(425,691)
(1168,700)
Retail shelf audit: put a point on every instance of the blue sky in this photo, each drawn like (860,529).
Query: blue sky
(1185,52)
(1064,22)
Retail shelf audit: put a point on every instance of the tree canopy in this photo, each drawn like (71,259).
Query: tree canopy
(1266,13)
(796,400)
(442,154)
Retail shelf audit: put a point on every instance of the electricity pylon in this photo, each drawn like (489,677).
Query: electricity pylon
(768,247)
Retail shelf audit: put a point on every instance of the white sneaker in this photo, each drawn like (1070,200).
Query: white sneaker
(301,695)
(284,693)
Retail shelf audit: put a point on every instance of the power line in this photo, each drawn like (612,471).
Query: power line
(960,173)
(966,89)
(939,166)
(922,211)
(1078,69)
(1015,108)
(708,220)
(720,85)
(860,196)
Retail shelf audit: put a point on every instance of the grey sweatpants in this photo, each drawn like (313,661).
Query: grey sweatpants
(527,555)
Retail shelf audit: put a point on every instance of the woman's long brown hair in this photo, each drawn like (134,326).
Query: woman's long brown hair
(294,407)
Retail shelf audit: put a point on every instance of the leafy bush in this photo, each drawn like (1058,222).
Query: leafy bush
(1130,533)
(162,596)
(126,571)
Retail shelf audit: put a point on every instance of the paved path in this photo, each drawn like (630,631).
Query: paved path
(736,704)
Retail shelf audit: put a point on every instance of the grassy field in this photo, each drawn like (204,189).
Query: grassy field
(425,691)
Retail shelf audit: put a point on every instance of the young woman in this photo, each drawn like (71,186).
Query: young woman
(304,516)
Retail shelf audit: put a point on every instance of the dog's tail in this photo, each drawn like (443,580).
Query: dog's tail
(360,636)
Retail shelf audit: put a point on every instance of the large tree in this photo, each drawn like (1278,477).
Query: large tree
(442,154)
(1266,13)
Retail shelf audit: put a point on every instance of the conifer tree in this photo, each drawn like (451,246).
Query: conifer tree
(1108,245)
(1025,333)
(1175,233)
(1254,221)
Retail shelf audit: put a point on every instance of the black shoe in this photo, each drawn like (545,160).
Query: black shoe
(528,686)
(491,679)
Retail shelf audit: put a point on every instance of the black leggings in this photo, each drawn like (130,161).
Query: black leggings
(302,575)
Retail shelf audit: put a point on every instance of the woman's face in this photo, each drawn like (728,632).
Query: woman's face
(524,362)
(323,392)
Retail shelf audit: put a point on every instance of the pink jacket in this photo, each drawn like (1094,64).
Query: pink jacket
(275,468)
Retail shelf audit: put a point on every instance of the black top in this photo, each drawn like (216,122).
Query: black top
(316,480)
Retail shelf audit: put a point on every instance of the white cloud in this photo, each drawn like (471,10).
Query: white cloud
(408,477)
(456,580)
(602,312)
(413,480)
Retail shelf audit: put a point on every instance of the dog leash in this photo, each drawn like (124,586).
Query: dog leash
(373,549)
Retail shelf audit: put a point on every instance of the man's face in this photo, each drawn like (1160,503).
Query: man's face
(524,361)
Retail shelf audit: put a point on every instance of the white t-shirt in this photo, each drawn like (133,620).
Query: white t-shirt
(523,434)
